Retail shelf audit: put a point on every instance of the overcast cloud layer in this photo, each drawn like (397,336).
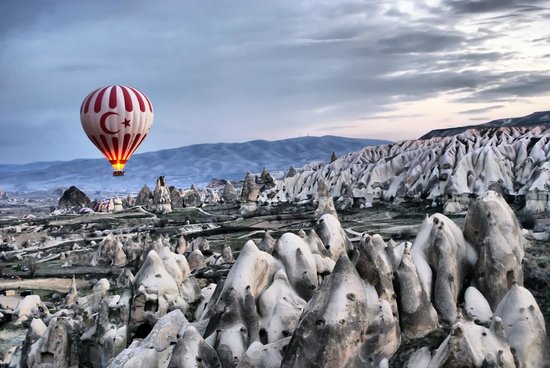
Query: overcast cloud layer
(233,71)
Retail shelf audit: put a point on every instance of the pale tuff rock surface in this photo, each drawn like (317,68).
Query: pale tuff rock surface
(299,263)
(302,299)
(336,316)
(161,202)
(229,194)
(325,202)
(192,198)
(157,291)
(192,351)
(443,259)
(435,168)
(417,314)
(156,349)
(524,325)
(266,356)
(476,307)
(333,236)
(31,306)
(110,252)
(267,243)
(494,231)
(57,347)
(470,345)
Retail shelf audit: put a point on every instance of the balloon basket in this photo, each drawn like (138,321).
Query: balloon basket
(118,173)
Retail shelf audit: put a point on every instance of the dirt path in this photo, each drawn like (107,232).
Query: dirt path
(56,284)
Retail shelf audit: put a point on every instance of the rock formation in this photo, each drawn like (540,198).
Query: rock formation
(74,198)
(176,198)
(192,198)
(525,329)
(493,229)
(442,169)
(265,181)
(161,202)
(305,299)
(229,194)
(443,259)
(144,197)
(110,252)
(250,191)
(325,201)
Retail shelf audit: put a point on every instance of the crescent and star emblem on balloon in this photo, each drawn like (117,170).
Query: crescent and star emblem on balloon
(103,121)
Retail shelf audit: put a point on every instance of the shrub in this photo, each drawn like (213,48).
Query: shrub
(528,222)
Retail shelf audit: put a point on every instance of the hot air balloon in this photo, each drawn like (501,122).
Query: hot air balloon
(116,119)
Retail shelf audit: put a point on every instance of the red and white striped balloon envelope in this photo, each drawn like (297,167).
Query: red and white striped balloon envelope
(116,119)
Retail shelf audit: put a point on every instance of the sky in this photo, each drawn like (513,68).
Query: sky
(233,71)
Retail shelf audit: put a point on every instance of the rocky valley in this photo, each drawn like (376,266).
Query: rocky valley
(163,285)
(426,253)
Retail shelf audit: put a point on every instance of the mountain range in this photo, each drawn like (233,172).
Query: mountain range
(536,118)
(194,164)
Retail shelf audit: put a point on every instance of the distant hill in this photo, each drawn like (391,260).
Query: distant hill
(536,118)
(182,166)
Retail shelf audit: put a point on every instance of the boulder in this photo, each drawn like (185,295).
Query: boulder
(299,264)
(232,313)
(333,236)
(30,307)
(156,292)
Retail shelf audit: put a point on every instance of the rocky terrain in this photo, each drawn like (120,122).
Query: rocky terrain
(446,170)
(401,255)
(157,284)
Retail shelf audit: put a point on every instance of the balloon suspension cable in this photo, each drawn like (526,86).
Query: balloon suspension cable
(118,173)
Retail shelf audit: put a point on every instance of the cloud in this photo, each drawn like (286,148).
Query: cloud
(509,86)
(389,117)
(481,110)
(489,6)
(420,41)
(247,70)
